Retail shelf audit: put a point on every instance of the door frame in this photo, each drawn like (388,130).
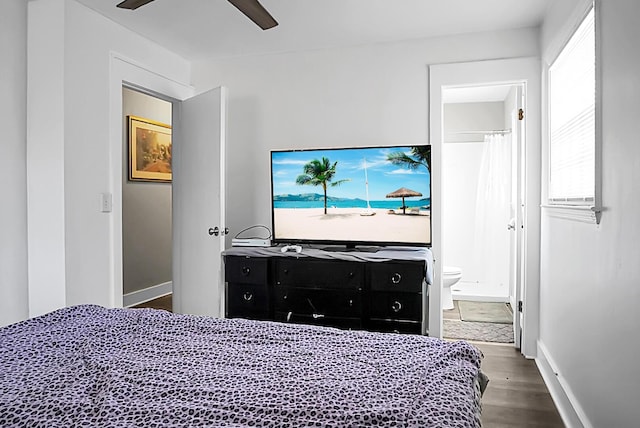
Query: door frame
(127,72)
(515,70)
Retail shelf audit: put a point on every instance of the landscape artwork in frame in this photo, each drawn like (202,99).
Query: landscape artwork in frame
(149,150)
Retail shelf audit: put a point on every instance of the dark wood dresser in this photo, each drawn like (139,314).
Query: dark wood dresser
(344,290)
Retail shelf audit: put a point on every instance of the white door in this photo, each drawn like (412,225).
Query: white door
(198,203)
(516,268)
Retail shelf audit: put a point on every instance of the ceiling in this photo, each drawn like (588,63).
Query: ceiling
(212,29)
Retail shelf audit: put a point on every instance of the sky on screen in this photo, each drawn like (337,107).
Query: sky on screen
(383,176)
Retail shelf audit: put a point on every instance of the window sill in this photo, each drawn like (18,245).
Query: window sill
(583,213)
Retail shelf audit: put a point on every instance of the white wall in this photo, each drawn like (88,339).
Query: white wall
(45,156)
(13,175)
(78,92)
(589,296)
(374,94)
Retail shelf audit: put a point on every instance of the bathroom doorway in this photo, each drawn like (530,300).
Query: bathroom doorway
(480,199)
(525,73)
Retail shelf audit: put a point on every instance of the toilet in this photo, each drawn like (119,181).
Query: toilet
(450,276)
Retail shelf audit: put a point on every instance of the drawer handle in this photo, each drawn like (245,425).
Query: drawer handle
(245,270)
(247,296)
(396,278)
(396,306)
(315,315)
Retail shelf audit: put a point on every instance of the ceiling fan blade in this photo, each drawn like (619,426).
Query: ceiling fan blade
(133,4)
(255,12)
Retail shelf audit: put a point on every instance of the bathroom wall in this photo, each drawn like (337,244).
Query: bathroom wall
(462,244)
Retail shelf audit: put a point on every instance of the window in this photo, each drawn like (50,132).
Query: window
(572,119)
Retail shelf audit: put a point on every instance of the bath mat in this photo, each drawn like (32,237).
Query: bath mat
(494,312)
(478,331)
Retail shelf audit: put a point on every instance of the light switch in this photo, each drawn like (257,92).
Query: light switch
(106,202)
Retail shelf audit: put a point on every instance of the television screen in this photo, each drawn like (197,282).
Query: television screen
(352,196)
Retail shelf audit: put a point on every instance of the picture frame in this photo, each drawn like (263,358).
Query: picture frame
(149,150)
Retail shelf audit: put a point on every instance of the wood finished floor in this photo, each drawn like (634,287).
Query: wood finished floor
(164,302)
(516,395)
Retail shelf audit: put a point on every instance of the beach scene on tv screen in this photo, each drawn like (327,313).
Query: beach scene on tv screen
(373,194)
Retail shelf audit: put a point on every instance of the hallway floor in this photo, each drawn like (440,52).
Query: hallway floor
(164,302)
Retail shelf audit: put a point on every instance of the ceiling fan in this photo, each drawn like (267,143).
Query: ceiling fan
(251,8)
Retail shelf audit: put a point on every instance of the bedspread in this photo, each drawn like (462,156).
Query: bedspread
(95,367)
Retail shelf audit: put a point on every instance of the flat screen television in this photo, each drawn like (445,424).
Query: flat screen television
(357,196)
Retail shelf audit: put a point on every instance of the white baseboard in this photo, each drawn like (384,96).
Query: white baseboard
(568,406)
(141,296)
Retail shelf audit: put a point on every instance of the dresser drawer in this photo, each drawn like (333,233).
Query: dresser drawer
(318,303)
(246,270)
(343,323)
(319,274)
(247,301)
(409,327)
(391,276)
(396,306)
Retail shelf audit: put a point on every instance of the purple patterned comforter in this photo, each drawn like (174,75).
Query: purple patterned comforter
(94,367)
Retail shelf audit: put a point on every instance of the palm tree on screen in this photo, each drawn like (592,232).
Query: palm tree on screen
(420,156)
(320,173)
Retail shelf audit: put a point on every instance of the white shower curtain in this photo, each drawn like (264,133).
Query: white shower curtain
(493,211)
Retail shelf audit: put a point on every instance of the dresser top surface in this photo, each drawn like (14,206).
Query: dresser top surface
(383,254)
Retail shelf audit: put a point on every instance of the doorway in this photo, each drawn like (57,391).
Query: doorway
(146,210)
(520,71)
(480,171)
(198,161)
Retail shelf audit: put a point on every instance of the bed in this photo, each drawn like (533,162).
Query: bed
(88,366)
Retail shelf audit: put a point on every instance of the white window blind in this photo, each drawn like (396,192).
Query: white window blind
(572,94)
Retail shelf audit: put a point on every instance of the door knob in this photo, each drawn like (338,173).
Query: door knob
(214,231)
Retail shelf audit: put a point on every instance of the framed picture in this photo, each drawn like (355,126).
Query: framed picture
(149,150)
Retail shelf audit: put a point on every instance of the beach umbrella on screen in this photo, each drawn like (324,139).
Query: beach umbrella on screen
(403,192)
